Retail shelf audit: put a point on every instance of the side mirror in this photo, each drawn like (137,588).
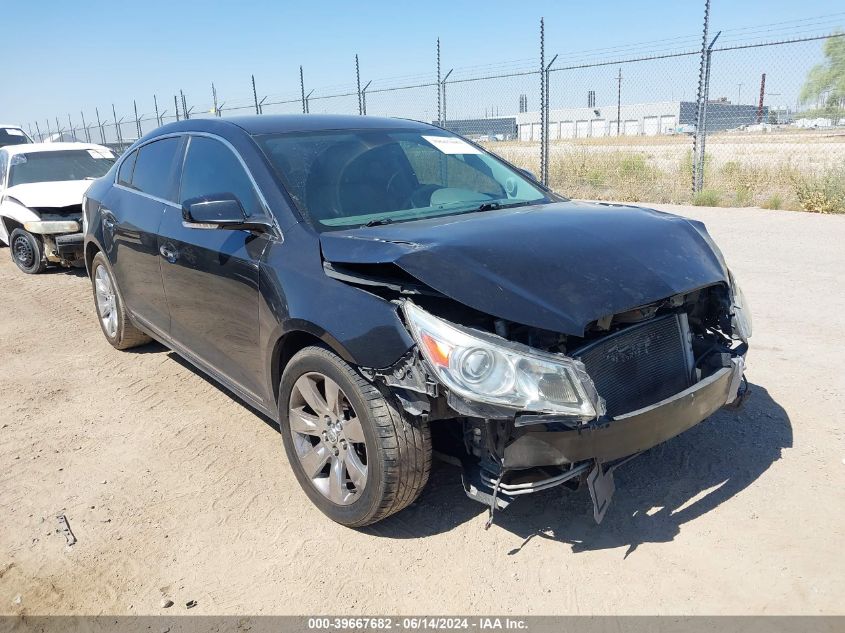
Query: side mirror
(220,211)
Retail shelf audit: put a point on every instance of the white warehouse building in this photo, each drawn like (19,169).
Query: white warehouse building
(638,119)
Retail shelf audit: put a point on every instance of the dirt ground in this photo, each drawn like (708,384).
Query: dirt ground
(176,490)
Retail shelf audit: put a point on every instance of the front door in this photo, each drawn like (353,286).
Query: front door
(132,212)
(211,275)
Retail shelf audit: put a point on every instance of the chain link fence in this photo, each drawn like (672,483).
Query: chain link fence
(763,128)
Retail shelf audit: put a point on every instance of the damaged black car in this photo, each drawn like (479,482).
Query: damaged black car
(387,290)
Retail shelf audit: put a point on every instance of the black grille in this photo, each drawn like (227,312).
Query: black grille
(640,365)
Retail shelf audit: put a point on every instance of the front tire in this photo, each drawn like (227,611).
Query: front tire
(111,313)
(356,456)
(27,252)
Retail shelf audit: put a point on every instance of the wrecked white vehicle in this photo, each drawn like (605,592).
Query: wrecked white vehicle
(12,135)
(41,190)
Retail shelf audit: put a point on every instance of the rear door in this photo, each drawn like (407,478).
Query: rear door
(211,275)
(132,212)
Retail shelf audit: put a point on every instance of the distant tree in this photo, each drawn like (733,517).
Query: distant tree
(828,79)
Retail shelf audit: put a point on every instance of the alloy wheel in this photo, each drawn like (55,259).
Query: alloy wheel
(328,438)
(106,301)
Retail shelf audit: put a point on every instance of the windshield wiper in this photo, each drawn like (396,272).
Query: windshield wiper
(493,206)
(379,222)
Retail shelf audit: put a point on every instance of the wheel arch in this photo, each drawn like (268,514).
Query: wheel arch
(298,336)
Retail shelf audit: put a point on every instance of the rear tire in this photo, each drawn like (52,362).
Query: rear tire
(27,252)
(118,329)
(359,428)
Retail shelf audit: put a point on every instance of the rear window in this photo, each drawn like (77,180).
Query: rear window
(12,136)
(69,164)
(153,172)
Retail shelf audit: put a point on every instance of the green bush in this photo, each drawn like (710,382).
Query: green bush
(821,193)
(773,202)
(707,198)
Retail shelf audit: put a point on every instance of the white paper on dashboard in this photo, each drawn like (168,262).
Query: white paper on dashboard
(451,145)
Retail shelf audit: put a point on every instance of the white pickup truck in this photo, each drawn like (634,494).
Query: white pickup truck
(41,191)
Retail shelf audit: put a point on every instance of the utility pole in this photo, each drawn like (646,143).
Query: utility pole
(762,96)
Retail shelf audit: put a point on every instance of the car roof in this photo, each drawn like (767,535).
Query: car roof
(33,148)
(278,123)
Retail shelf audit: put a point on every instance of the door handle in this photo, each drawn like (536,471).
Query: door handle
(169,253)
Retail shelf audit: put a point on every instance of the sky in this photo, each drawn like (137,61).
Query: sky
(66,57)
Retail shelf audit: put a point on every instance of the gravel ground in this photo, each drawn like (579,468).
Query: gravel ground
(177,491)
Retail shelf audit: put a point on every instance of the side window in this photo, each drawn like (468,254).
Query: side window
(124,176)
(154,167)
(211,167)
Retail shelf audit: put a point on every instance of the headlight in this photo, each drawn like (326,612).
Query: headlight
(84,213)
(740,312)
(485,368)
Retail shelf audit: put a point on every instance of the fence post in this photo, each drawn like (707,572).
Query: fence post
(308,101)
(619,103)
(49,131)
(542,103)
(439,98)
(443,92)
(364,98)
(703,141)
(214,98)
(85,127)
(546,134)
(100,125)
(117,130)
(59,128)
(137,119)
(696,141)
(38,129)
(358,82)
(158,116)
(302,89)
(176,105)
(71,126)
(255,96)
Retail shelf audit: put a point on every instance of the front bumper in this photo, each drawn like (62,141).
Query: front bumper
(609,439)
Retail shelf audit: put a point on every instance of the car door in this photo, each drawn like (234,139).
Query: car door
(211,274)
(132,212)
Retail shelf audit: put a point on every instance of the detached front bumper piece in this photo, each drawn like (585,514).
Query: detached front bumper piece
(610,439)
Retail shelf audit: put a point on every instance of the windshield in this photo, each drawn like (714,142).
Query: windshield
(349,178)
(12,136)
(68,164)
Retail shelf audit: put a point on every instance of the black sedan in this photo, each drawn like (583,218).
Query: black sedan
(375,283)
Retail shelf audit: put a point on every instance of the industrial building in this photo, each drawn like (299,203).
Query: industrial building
(638,119)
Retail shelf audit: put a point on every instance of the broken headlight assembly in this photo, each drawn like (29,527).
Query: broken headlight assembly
(485,368)
(740,313)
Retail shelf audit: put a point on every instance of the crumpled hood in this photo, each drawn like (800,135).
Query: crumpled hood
(554,266)
(62,193)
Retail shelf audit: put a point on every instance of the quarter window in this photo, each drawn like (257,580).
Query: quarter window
(212,168)
(153,173)
(124,176)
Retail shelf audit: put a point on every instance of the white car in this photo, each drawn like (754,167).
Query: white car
(12,135)
(41,191)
